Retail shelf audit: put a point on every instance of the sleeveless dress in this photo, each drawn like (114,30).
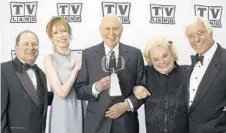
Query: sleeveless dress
(66,116)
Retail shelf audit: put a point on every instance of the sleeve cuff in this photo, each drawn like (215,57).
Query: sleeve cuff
(94,91)
(130,104)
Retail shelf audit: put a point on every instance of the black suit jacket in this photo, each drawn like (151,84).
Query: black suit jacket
(133,74)
(206,112)
(22,109)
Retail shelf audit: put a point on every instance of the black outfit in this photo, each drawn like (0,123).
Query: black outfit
(206,112)
(166,108)
(23,109)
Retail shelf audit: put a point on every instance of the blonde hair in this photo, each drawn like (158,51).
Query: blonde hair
(159,41)
(57,20)
(195,19)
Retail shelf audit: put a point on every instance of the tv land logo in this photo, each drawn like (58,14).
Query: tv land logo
(23,12)
(212,13)
(121,9)
(71,11)
(162,14)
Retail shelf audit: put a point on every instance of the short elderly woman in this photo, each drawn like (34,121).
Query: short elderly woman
(166,107)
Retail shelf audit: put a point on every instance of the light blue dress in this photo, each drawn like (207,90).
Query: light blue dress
(66,116)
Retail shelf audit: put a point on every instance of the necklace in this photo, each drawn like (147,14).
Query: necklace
(66,54)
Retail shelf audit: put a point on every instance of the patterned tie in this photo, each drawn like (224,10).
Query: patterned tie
(196,58)
(112,61)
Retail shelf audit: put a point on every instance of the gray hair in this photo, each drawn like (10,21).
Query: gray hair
(113,16)
(203,20)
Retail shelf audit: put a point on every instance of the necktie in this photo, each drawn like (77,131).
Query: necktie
(196,58)
(28,66)
(112,61)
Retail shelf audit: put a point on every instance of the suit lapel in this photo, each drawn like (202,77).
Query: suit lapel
(122,76)
(208,78)
(26,82)
(28,87)
(123,52)
(100,52)
(43,82)
(98,58)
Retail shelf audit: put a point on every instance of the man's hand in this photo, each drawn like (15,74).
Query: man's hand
(103,84)
(224,108)
(140,92)
(117,110)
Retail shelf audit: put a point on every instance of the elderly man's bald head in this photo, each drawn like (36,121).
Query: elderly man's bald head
(110,17)
(111,30)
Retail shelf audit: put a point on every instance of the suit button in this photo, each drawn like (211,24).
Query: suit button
(165,130)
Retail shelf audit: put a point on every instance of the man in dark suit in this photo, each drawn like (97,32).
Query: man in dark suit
(207,86)
(105,113)
(23,89)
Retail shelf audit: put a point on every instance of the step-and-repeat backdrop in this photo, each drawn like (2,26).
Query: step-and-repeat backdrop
(142,20)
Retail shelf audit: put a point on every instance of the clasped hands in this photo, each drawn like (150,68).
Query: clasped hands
(117,109)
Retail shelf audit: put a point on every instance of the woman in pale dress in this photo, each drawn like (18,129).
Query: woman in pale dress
(62,67)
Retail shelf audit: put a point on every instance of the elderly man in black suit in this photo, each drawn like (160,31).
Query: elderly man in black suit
(207,80)
(106,113)
(23,89)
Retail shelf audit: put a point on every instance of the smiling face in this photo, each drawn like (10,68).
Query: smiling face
(199,38)
(111,30)
(60,36)
(27,47)
(162,59)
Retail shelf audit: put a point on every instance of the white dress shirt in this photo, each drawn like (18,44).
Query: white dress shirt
(31,74)
(108,53)
(199,71)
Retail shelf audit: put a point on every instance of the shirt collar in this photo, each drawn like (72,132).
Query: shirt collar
(209,54)
(108,49)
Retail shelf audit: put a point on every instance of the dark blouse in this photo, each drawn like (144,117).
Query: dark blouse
(166,108)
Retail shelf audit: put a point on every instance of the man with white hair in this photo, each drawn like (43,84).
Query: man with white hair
(106,113)
(207,87)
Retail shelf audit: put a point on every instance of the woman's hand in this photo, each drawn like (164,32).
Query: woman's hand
(141,92)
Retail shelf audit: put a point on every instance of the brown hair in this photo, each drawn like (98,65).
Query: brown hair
(57,20)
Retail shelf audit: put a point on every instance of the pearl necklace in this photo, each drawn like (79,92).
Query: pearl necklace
(66,54)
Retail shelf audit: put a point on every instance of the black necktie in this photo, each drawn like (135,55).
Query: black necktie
(28,66)
(112,61)
(196,58)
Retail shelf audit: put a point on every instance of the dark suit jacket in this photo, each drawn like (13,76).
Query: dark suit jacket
(133,74)
(206,112)
(22,109)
